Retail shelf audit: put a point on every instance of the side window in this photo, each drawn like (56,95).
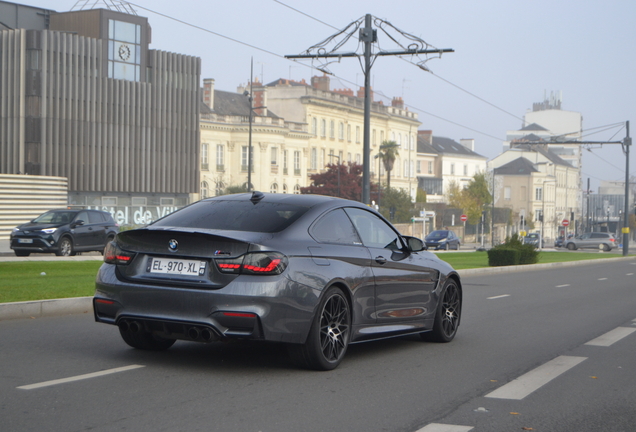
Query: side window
(94,217)
(82,216)
(335,227)
(373,231)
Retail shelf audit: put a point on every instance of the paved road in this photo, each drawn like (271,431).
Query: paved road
(514,324)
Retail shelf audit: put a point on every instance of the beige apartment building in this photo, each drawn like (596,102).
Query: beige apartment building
(533,181)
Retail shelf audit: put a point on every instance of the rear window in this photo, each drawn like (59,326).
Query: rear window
(234,216)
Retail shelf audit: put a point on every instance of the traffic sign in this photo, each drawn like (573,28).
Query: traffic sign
(464,218)
(565,222)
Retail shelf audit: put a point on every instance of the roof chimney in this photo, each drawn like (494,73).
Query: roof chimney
(208,92)
(469,143)
(397,102)
(320,83)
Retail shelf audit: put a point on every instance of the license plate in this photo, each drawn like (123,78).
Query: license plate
(25,240)
(176,266)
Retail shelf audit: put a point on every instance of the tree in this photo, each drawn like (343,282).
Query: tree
(387,153)
(398,203)
(472,199)
(454,195)
(326,183)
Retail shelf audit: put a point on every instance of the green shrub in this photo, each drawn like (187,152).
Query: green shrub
(503,256)
(512,252)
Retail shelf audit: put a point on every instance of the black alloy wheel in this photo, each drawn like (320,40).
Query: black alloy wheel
(329,335)
(447,316)
(65,247)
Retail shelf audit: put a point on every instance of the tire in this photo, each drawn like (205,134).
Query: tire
(329,334)
(145,340)
(447,316)
(65,247)
(457,247)
(571,246)
(446,247)
(606,248)
(21,253)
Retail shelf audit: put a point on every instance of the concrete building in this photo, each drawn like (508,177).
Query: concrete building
(279,148)
(335,121)
(82,96)
(539,186)
(446,161)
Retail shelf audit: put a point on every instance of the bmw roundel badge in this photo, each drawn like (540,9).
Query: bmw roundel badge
(173,245)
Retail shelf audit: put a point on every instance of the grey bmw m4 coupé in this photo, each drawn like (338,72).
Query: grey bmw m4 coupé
(315,272)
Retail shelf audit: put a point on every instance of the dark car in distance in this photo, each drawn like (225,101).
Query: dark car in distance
(442,239)
(533,239)
(314,272)
(64,232)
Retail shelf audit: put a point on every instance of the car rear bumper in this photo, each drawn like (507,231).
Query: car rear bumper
(274,309)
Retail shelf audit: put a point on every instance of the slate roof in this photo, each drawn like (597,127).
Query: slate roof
(533,126)
(447,146)
(541,148)
(520,166)
(229,103)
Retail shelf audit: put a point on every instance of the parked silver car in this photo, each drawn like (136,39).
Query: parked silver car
(593,240)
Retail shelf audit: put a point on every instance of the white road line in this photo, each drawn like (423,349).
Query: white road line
(561,286)
(80,377)
(602,278)
(611,336)
(629,274)
(533,380)
(438,427)
(498,297)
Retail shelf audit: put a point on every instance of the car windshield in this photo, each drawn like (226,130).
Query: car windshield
(234,215)
(55,217)
(436,235)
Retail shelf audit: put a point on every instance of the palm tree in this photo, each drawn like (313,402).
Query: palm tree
(388,152)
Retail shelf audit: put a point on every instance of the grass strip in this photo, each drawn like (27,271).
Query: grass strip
(24,281)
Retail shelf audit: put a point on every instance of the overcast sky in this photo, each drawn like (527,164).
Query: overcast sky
(508,55)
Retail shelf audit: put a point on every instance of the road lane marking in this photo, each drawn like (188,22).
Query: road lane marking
(611,336)
(536,378)
(602,278)
(498,297)
(438,427)
(561,286)
(629,274)
(80,377)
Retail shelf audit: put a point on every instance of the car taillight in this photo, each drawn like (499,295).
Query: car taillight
(113,254)
(261,263)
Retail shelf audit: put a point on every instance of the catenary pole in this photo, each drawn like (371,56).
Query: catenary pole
(628,143)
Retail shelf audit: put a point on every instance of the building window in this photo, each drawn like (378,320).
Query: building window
(332,129)
(358,161)
(220,158)
(419,167)
(166,201)
(322,158)
(452,167)
(538,194)
(109,201)
(381,137)
(341,131)
(323,128)
(274,188)
(314,158)
(284,188)
(274,156)
(358,134)
(507,193)
(139,201)
(204,190)
(124,50)
(349,157)
(374,138)
(465,169)
(314,126)
(430,167)
(349,133)
(245,160)
(204,156)
(297,189)
(296,163)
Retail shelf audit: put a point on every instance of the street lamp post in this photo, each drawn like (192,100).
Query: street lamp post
(379,184)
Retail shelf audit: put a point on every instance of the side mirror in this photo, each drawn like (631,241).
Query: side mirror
(415,245)
(78,223)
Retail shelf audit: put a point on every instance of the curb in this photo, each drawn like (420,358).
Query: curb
(45,308)
(79,305)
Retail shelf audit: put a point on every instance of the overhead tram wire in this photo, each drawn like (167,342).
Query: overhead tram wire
(300,63)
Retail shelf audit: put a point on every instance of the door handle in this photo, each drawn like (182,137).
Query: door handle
(380,260)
